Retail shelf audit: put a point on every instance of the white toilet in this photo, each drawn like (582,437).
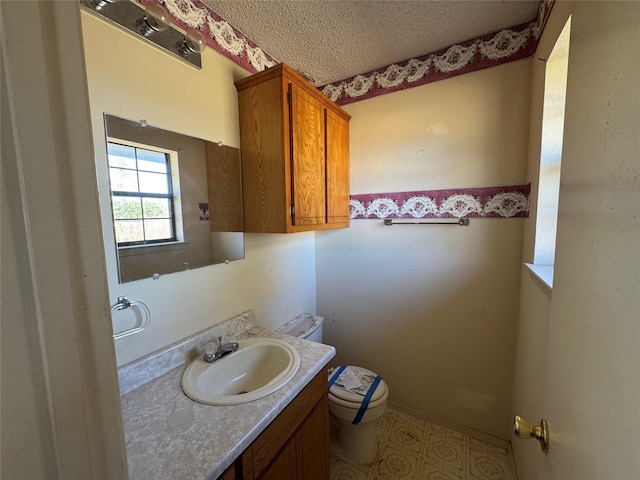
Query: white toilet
(353,415)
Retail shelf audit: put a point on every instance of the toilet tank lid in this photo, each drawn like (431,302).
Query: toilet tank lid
(365,376)
(301,326)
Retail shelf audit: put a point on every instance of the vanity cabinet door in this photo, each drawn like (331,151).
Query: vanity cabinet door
(284,465)
(313,444)
(305,456)
(229,474)
(296,444)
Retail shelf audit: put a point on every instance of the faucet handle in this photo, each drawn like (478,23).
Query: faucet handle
(210,349)
(228,339)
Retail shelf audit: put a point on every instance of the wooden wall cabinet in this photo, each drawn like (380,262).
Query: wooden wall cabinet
(296,444)
(295,154)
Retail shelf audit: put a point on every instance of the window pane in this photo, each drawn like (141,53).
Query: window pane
(158,229)
(123,180)
(127,208)
(153,182)
(135,173)
(121,156)
(129,231)
(152,161)
(156,207)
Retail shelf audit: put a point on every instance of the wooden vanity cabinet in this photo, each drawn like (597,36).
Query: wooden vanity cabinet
(295,154)
(295,446)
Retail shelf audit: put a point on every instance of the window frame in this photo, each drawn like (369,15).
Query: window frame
(550,156)
(170,195)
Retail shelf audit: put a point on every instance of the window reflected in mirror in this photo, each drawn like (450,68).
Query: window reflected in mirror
(176,201)
(141,195)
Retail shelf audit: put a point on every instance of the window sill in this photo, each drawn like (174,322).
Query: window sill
(132,250)
(543,273)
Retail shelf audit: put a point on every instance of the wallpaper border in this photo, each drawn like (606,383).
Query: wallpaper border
(489,50)
(475,202)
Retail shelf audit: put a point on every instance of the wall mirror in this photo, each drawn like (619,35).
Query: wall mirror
(176,201)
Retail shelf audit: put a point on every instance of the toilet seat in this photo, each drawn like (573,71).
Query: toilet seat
(347,399)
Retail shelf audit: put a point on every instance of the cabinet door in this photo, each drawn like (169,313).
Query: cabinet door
(284,465)
(313,444)
(229,474)
(337,129)
(307,158)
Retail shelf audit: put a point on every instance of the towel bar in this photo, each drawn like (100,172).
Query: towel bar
(462,222)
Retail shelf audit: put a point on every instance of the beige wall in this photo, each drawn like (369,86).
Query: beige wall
(433,309)
(578,347)
(133,80)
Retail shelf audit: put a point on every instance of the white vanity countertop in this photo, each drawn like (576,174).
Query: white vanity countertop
(169,436)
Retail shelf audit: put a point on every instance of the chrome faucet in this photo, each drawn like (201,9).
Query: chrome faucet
(215,352)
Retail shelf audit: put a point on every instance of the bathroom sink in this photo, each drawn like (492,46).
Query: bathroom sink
(258,368)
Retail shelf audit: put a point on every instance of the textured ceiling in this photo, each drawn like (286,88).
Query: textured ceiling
(334,40)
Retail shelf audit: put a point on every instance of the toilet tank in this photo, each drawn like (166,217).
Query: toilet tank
(305,326)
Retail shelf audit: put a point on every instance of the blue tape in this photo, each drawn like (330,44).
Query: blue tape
(336,374)
(366,400)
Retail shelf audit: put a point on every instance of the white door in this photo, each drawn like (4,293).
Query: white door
(593,378)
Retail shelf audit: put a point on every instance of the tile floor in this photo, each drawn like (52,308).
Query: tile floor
(414,449)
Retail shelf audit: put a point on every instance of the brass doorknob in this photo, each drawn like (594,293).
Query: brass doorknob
(524,429)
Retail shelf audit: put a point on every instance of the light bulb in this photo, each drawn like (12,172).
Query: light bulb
(194,42)
(155,19)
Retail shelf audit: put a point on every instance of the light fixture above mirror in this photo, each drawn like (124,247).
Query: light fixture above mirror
(151,23)
(155,19)
(194,42)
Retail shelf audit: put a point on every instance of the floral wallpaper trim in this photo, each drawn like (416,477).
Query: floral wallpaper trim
(482,202)
(487,51)
(221,36)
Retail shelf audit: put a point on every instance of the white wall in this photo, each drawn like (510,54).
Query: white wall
(578,347)
(131,79)
(433,309)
